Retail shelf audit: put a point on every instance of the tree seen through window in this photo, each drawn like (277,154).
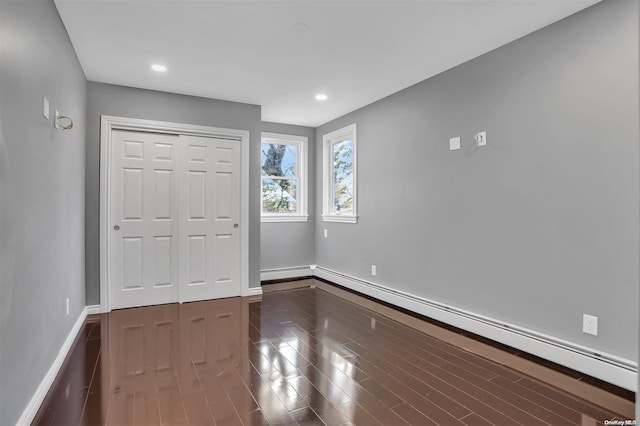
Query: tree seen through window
(342,174)
(279,178)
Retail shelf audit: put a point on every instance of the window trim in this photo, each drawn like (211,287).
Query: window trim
(301,143)
(328,141)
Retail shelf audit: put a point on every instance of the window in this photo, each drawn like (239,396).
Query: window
(339,177)
(284,181)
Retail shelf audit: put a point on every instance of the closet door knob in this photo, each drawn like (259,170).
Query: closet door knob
(116,228)
(235,225)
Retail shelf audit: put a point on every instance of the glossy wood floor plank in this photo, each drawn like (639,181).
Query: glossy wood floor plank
(300,356)
(485,373)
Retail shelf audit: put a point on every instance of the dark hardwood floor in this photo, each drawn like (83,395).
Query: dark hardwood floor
(295,357)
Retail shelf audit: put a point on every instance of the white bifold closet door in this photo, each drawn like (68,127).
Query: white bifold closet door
(174,219)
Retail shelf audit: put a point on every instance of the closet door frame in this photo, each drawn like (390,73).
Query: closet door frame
(110,123)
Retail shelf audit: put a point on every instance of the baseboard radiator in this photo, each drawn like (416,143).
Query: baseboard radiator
(608,367)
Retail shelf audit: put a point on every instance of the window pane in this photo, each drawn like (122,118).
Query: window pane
(342,177)
(279,160)
(279,196)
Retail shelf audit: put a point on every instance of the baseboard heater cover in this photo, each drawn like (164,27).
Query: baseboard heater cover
(608,367)
(288,272)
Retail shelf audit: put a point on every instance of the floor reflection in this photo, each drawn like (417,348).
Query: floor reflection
(295,357)
(154,356)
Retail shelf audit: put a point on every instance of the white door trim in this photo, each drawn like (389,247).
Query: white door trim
(107,125)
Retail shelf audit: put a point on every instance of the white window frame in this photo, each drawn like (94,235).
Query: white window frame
(300,142)
(328,141)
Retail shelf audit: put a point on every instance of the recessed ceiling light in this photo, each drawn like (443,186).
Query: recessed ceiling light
(321,97)
(159,68)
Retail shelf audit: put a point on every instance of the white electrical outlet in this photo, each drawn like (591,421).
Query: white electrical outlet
(67,306)
(374,270)
(454,143)
(326,233)
(590,324)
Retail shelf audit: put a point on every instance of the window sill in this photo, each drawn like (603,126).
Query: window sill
(338,218)
(284,218)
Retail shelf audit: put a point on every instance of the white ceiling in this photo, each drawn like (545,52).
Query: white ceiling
(355,51)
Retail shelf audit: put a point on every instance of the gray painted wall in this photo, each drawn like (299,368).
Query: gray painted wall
(41,198)
(536,228)
(291,244)
(107,99)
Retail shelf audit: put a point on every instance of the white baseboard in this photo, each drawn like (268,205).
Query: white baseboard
(41,392)
(283,273)
(610,368)
(254,291)
(94,309)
